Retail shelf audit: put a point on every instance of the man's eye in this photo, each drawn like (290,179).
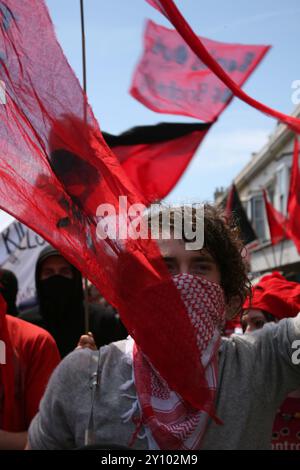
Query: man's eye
(171,267)
(200,267)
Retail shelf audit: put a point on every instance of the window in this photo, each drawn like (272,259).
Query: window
(271,192)
(282,176)
(258,216)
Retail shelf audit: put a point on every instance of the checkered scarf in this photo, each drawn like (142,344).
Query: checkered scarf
(172,422)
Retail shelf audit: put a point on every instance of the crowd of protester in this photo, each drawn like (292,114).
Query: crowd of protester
(249,379)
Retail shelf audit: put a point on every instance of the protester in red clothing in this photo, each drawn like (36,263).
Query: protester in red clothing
(274,298)
(28,355)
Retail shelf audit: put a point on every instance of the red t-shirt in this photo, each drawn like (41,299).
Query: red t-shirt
(35,357)
(286,428)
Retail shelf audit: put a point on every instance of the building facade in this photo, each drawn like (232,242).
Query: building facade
(269,169)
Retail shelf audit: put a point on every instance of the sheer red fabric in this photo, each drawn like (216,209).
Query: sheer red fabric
(56,170)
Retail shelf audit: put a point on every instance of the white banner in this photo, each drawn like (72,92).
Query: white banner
(19,250)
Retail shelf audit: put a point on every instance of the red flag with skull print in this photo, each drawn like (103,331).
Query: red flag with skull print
(55,172)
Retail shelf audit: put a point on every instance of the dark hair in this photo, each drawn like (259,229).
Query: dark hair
(222,240)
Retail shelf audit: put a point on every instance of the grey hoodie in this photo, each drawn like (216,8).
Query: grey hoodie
(256,372)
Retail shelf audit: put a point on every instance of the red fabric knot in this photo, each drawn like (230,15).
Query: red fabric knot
(138,422)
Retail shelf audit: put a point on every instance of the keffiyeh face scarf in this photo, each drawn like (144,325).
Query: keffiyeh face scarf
(172,422)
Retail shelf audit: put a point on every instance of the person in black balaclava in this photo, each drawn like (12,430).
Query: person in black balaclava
(60,295)
(9,290)
(61,305)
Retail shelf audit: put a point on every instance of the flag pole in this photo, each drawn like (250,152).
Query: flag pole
(86,297)
(83,47)
(266,258)
(282,243)
(281,252)
(89,436)
(274,256)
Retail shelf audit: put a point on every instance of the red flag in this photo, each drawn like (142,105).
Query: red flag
(154,157)
(171,79)
(277,222)
(294,199)
(184,29)
(235,208)
(56,170)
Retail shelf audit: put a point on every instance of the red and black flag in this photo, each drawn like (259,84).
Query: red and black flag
(276,221)
(170,10)
(155,157)
(234,208)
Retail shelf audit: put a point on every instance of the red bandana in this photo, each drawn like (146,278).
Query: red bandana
(275,295)
(172,422)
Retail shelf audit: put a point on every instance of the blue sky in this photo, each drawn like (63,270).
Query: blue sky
(114,31)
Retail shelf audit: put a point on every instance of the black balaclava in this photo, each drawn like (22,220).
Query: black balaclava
(61,304)
(9,290)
